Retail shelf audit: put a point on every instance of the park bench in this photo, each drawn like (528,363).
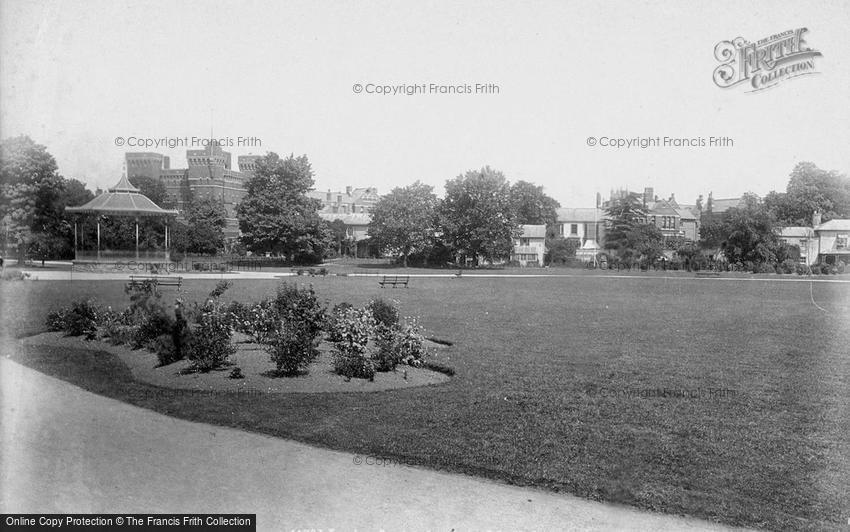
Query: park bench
(708,274)
(138,280)
(394,280)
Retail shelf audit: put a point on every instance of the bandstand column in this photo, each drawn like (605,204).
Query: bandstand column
(137,238)
(98,239)
(75,239)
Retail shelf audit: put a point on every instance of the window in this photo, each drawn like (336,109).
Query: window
(573,229)
(840,241)
(524,241)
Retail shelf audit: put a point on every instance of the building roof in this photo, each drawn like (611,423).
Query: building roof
(368,195)
(122,200)
(724,204)
(580,214)
(533,231)
(661,207)
(834,225)
(796,232)
(686,214)
(359,218)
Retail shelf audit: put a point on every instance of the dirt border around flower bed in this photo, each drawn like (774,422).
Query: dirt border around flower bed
(256,367)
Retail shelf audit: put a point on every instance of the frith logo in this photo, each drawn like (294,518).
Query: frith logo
(765,63)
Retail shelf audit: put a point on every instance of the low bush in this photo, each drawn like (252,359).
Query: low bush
(802,269)
(174,346)
(300,305)
(210,346)
(57,320)
(292,347)
(80,319)
(387,353)
(259,321)
(148,313)
(119,328)
(411,344)
(331,328)
(290,325)
(761,267)
(353,329)
(403,343)
(384,313)
(788,266)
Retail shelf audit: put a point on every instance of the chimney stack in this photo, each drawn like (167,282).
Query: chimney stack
(816,217)
(348,190)
(647,194)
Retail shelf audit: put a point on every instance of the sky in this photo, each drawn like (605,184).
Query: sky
(76,75)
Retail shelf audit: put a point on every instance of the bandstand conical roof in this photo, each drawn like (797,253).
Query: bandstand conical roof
(122,200)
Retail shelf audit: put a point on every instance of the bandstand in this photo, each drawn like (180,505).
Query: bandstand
(122,200)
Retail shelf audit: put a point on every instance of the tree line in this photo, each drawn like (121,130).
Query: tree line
(477,219)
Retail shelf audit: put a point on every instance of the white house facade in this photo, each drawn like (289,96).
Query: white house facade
(530,246)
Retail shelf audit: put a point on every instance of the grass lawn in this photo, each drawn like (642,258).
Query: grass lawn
(555,387)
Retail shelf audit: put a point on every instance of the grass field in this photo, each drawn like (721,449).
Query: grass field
(555,387)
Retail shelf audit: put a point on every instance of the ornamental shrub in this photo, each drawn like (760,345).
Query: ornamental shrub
(148,313)
(387,353)
(352,330)
(411,344)
(384,313)
(57,320)
(293,346)
(210,346)
(259,321)
(802,269)
(119,328)
(80,319)
(301,305)
(789,266)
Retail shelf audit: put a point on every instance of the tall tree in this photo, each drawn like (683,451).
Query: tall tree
(811,189)
(477,218)
(154,189)
(628,233)
(33,197)
(624,214)
(748,233)
(532,206)
(206,218)
(277,216)
(342,243)
(30,187)
(403,221)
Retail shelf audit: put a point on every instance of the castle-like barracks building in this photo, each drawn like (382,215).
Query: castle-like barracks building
(209,174)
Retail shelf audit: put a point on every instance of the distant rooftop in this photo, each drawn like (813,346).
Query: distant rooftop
(533,231)
(834,225)
(580,214)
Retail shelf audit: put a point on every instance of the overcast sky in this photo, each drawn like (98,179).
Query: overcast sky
(76,75)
